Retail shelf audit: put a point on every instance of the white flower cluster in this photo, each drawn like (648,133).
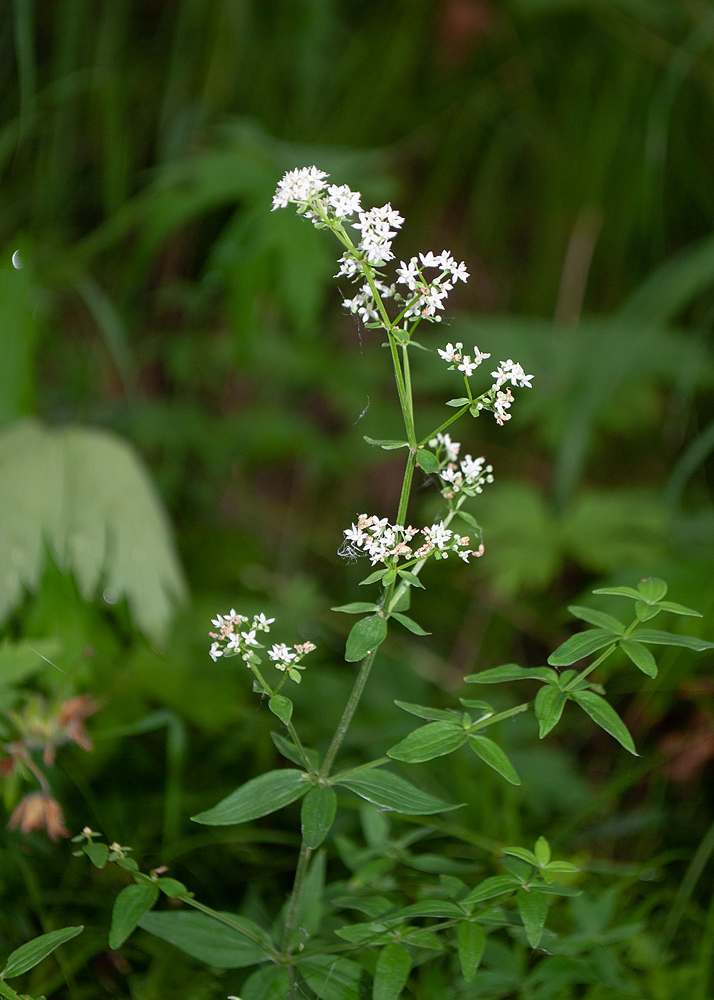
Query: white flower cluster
(469,476)
(499,400)
(235,637)
(299,187)
(364,305)
(384,542)
(431,295)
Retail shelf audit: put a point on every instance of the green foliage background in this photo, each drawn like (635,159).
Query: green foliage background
(174,350)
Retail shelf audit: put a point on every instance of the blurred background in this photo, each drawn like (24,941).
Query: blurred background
(182,411)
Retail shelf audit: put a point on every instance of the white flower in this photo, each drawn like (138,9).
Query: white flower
(344,201)
(502,403)
(452,448)
(459,273)
(479,356)
(262,623)
(409,274)
(513,372)
(215,651)
(299,186)
(249,638)
(467,366)
(281,653)
(450,352)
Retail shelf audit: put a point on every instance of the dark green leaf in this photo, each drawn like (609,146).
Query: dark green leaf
(429,908)
(409,623)
(580,645)
(471,942)
(434,740)
(388,444)
(491,754)
(602,713)
(599,618)
(289,750)
(357,608)
(427,461)
(640,656)
(389,791)
(28,955)
(658,637)
(652,589)
(548,706)
(171,887)
(258,797)
(392,972)
(533,908)
(282,707)
(97,854)
(496,885)
(271,982)
(411,578)
(129,907)
(373,577)
(512,672)
(317,815)
(209,940)
(424,712)
(332,978)
(365,636)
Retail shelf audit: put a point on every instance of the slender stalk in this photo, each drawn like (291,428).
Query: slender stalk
(442,427)
(347,715)
(296,896)
(362,767)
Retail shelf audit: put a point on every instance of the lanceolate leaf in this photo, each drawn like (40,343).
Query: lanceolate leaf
(580,645)
(129,907)
(598,618)
(677,609)
(471,941)
(657,637)
(496,885)
(332,978)
(602,712)
(434,740)
(392,972)
(424,712)
(548,705)
(512,672)
(258,797)
(491,754)
(208,940)
(410,624)
(533,908)
(289,750)
(366,635)
(640,656)
(271,982)
(388,444)
(356,608)
(318,813)
(427,461)
(389,791)
(27,956)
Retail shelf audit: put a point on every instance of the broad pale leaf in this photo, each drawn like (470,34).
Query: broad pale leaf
(427,461)
(365,636)
(542,852)
(129,907)
(471,942)
(548,706)
(318,813)
(27,956)
(392,972)
(206,939)
(434,740)
(652,589)
(619,592)
(602,713)
(580,645)
(258,797)
(512,672)
(640,656)
(389,791)
(282,707)
(533,908)
(491,754)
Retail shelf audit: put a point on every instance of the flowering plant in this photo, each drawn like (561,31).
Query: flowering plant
(315,947)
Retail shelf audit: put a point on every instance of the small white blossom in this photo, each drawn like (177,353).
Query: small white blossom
(249,638)
(215,651)
(299,186)
(344,201)
(513,372)
(280,652)
(451,352)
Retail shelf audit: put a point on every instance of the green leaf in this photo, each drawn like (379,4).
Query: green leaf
(318,813)
(373,577)
(471,521)
(28,955)
(365,636)
(652,589)
(542,852)
(533,908)
(258,797)
(496,885)
(288,749)
(209,940)
(619,592)
(357,608)
(332,978)
(171,887)
(424,712)
(411,578)
(389,791)
(392,972)
(523,854)
(548,706)
(428,908)
(640,656)
(491,754)
(646,611)
(282,707)
(388,444)
(271,982)
(97,854)
(654,635)
(580,645)
(129,907)
(602,713)
(427,742)
(471,942)
(459,401)
(561,866)
(409,623)
(512,672)
(599,618)
(677,609)
(427,461)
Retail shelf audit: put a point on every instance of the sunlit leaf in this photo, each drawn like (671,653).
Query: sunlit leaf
(389,791)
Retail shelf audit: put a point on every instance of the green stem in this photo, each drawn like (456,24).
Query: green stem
(485,723)
(603,656)
(347,715)
(361,767)
(296,896)
(446,423)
